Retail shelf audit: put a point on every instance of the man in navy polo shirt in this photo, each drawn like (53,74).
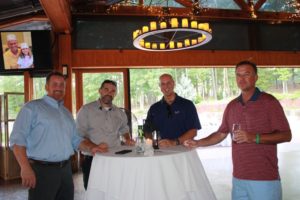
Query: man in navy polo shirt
(174,117)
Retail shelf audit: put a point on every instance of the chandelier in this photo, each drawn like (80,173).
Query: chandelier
(171,35)
(294,6)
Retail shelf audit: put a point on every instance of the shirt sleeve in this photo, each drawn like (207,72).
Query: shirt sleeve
(124,128)
(224,128)
(19,61)
(193,121)
(278,120)
(82,122)
(77,139)
(21,128)
(149,125)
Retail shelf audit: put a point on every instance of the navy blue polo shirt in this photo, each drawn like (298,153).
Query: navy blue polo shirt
(173,120)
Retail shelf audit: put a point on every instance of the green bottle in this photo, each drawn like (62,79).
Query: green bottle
(140,131)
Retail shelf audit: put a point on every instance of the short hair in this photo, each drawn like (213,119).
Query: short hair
(165,74)
(54,73)
(247,62)
(114,83)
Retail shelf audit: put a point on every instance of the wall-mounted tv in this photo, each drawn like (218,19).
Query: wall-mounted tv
(25,51)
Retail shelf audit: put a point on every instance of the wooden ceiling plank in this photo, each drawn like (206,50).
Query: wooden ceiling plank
(59,14)
(242,4)
(185,3)
(259,4)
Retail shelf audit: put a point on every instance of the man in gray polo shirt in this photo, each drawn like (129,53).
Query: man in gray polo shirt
(102,123)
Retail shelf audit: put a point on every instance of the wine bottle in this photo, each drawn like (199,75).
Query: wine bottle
(155,135)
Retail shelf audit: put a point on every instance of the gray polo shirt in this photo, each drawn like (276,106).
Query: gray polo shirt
(101,125)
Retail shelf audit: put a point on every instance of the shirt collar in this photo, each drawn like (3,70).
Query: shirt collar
(254,97)
(163,101)
(53,102)
(99,106)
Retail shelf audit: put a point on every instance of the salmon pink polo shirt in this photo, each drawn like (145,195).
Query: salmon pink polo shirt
(262,114)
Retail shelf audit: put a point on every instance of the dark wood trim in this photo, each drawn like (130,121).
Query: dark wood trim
(209,14)
(65,58)
(28,87)
(113,59)
(23,20)
(78,89)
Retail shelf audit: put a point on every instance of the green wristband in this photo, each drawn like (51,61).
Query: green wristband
(257,140)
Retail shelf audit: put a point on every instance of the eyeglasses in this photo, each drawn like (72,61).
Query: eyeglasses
(169,109)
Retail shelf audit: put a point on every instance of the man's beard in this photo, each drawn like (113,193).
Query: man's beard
(107,99)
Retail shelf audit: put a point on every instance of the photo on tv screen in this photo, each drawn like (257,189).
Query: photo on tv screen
(17,50)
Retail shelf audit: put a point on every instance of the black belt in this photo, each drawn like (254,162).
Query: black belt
(88,157)
(47,163)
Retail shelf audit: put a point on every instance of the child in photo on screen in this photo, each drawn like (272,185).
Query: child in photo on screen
(25,59)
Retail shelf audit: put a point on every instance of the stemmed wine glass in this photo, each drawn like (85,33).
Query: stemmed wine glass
(235,127)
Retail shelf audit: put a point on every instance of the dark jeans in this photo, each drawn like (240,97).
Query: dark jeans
(86,168)
(53,182)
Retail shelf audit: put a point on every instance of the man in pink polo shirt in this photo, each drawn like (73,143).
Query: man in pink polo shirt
(263,125)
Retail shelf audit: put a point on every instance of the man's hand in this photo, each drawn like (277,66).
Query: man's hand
(28,177)
(102,148)
(166,143)
(190,143)
(129,142)
(244,137)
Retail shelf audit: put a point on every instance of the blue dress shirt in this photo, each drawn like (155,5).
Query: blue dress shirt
(47,130)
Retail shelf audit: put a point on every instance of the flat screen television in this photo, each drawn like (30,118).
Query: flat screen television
(25,51)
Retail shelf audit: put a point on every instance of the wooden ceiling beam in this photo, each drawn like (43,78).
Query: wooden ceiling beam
(59,14)
(242,4)
(22,20)
(185,3)
(258,4)
(209,14)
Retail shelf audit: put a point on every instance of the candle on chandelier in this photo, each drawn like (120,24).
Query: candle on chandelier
(163,25)
(135,34)
(206,26)
(154,46)
(194,41)
(147,45)
(142,43)
(179,44)
(187,42)
(201,26)
(201,39)
(145,29)
(172,45)
(153,26)
(162,46)
(174,23)
(194,24)
(185,23)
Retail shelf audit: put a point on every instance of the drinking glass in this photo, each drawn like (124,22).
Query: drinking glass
(140,144)
(235,127)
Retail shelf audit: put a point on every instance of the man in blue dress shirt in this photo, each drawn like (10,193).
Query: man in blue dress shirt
(44,137)
(174,117)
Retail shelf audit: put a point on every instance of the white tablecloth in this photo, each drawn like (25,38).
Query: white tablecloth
(171,174)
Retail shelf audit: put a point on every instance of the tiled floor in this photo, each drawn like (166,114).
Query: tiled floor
(218,167)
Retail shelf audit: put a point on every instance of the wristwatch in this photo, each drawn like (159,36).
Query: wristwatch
(177,141)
